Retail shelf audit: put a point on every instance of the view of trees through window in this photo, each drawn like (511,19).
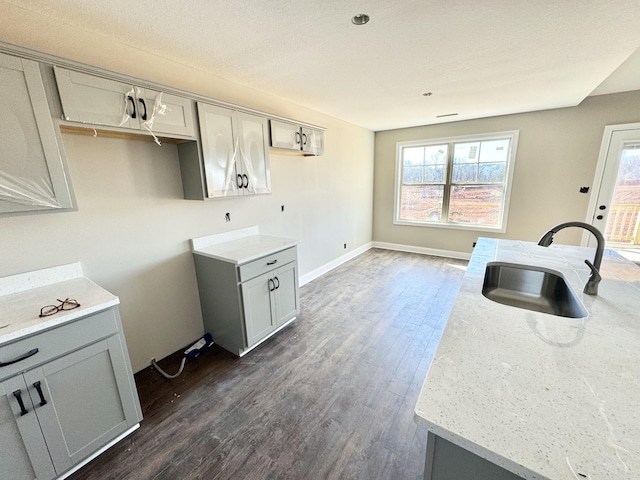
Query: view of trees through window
(454,182)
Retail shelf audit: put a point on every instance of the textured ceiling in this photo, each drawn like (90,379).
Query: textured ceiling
(479,58)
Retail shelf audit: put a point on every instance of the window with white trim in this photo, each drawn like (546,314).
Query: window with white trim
(459,182)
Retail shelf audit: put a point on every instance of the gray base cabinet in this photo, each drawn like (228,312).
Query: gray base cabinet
(243,305)
(66,405)
(447,461)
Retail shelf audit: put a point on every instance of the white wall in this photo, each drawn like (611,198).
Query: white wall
(132,226)
(557,154)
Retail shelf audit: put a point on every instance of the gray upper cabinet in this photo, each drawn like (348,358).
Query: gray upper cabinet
(234,157)
(100,101)
(33,177)
(290,136)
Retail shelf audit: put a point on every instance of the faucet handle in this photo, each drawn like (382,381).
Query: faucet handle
(595,274)
(591,288)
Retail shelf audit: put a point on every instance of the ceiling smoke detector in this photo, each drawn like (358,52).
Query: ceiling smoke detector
(360,19)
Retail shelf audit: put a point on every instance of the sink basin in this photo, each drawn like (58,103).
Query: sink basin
(531,288)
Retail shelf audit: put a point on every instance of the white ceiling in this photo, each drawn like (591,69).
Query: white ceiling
(479,58)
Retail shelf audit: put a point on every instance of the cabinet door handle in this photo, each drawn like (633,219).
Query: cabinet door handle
(245,185)
(18,395)
(133,105)
(276,279)
(38,387)
(30,353)
(304,138)
(144,115)
(298,138)
(239,181)
(273,263)
(272,285)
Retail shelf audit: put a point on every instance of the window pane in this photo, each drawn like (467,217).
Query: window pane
(424,164)
(476,204)
(480,161)
(421,202)
(466,152)
(494,150)
(465,172)
(491,172)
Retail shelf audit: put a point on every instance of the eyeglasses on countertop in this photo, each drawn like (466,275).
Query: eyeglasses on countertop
(66,304)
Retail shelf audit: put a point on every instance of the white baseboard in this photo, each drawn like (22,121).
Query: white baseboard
(422,250)
(318,272)
(304,279)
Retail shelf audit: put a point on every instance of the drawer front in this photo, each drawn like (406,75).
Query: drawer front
(267,263)
(56,342)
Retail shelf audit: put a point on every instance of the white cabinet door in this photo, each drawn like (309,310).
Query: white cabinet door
(32,173)
(286,293)
(98,101)
(285,135)
(83,400)
(164,113)
(253,157)
(23,452)
(312,141)
(94,100)
(256,297)
(219,150)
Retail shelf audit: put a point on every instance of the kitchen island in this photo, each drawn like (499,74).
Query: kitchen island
(514,393)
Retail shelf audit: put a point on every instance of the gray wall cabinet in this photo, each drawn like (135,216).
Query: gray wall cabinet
(33,176)
(243,305)
(100,101)
(66,402)
(234,159)
(289,136)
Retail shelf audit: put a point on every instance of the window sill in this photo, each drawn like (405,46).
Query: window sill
(452,226)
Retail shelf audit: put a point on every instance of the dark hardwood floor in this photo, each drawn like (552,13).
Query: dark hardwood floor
(330,396)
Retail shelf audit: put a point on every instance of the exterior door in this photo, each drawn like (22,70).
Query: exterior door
(616,209)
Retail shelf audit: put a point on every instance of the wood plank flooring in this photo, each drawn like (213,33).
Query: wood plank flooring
(329,397)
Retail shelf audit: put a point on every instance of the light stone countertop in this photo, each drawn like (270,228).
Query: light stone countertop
(22,296)
(240,246)
(545,397)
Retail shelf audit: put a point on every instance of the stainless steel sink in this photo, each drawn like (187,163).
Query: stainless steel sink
(531,288)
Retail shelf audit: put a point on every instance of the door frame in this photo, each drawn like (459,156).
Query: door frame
(605,146)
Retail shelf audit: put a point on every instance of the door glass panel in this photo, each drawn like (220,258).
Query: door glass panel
(624,214)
